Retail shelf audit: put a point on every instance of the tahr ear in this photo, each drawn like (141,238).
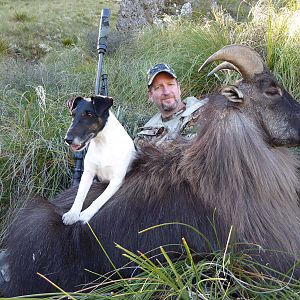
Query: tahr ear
(73,102)
(101,104)
(233,94)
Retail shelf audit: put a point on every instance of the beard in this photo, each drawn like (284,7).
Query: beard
(166,106)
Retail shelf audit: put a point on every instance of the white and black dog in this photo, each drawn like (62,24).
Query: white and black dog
(109,155)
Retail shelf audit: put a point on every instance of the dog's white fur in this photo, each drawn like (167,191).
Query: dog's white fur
(109,157)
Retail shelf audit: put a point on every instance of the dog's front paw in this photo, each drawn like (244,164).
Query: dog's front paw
(86,215)
(70,217)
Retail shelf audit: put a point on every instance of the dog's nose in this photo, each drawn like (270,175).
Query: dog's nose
(68,140)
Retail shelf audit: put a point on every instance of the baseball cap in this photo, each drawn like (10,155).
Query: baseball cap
(152,72)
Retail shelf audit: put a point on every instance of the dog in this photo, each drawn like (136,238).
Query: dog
(109,155)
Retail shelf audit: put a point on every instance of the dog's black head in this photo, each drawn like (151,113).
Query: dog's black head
(89,118)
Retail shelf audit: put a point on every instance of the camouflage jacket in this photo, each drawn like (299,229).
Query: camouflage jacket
(183,122)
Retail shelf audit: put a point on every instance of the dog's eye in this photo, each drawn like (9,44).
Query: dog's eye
(89,114)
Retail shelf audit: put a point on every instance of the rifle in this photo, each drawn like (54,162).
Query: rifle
(102,48)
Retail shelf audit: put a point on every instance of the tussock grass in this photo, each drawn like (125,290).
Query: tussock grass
(4,46)
(33,157)
(21,17)
(69,41)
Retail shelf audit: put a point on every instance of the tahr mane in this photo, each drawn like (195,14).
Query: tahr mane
(249,180)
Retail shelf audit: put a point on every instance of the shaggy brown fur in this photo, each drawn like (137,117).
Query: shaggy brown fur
(229,171)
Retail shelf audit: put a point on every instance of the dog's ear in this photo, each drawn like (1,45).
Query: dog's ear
(72,103)
(101,104)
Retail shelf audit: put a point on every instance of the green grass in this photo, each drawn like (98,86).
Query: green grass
(52,44)
(4,46)
(21,17)
(27,24)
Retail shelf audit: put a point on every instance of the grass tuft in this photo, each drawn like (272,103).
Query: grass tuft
(69,41)
(21,17)
(4,46)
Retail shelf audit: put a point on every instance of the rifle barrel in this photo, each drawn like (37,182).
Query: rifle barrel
(102,44)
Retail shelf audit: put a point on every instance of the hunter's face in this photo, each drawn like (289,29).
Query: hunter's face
(165,93)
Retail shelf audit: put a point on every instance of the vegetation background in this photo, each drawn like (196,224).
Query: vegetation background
(48,54)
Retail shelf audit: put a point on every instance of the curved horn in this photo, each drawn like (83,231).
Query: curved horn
(243,57)
(223,66)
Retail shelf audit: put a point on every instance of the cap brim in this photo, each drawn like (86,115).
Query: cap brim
(162,71)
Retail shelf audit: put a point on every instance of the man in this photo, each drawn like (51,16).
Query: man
(175,116)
